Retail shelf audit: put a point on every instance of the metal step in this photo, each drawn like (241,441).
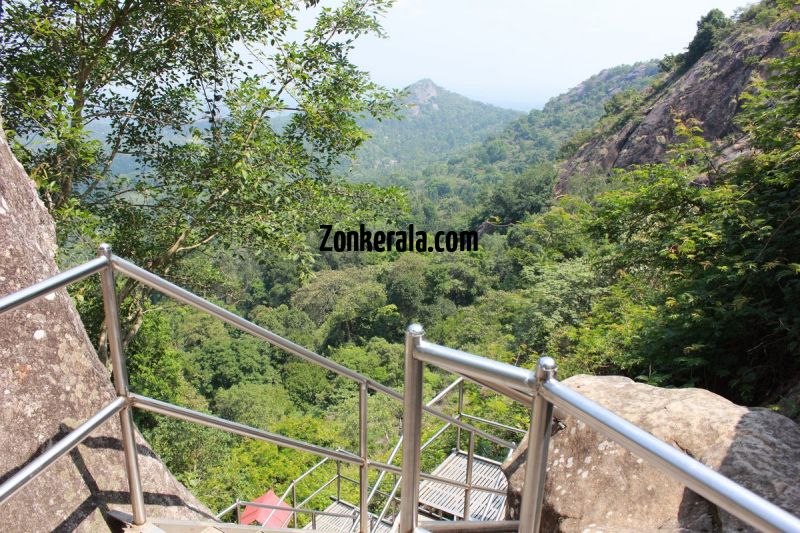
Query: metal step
(174,525)
(440,498)
(342,524)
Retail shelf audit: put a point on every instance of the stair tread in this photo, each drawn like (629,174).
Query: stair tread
(450,499)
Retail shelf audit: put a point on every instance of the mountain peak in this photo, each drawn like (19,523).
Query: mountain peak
(422,91)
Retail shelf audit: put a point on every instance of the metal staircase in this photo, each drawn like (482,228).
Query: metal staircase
(330,522)
(430,495)
(445,496)
(444,501)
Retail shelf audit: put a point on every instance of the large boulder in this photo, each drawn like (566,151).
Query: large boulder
(593,484)
(51,381)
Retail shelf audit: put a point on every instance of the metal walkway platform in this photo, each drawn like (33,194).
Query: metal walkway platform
(439,498)
(342,524)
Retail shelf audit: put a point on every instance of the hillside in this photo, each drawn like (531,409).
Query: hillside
(537,137)
(433,123)
(641,126)
(509,173)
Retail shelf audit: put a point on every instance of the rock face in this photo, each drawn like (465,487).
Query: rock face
(709,92)
(51,381)
(594,484)
(422,96)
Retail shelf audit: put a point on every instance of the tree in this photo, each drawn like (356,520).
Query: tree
(186,93)
(711,28)
(254,404)
(225,361)
(405,285)
(520,194)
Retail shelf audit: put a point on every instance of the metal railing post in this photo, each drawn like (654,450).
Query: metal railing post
(538,441)
(338,480)
(364,452)
(121,386)
(412,430)
(394,502)
(294,505)
(458,416)
(470,460)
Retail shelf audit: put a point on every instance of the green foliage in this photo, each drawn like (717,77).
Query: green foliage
(348,312)
(222,362)
(145,74)
(711,29)
(378,359)
(289,322)
(156,367)
(254,404)
(708,259)
(520,194)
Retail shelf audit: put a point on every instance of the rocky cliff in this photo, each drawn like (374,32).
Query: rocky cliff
(708,91)
(51,381)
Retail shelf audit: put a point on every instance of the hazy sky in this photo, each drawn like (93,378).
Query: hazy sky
(519,53)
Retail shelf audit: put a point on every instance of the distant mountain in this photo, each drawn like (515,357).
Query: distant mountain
(434,122)
(537,137)
(507,172)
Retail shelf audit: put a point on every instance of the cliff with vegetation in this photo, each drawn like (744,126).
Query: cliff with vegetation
(639,126)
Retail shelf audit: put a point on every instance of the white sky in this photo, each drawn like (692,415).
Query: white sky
(519,53)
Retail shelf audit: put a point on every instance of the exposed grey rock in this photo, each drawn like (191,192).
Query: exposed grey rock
(51,381)
(709,92)
(594,484)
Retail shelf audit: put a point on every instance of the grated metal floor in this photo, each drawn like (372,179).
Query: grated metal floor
(343,524)
(449,499)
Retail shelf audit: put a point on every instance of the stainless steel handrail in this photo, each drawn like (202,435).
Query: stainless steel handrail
(436,399)
(511,381)
(492,423)
(389,501)
(184,296)
(391,496)
(459,382)
(58,281)
(31,470)
(182,413)
(489,371)
(106,264)
(547,392)
(709,484)
(314,494)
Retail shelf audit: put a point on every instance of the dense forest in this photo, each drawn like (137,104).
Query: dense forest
(684,272)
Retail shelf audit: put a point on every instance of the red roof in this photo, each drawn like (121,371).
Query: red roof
(269,517)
